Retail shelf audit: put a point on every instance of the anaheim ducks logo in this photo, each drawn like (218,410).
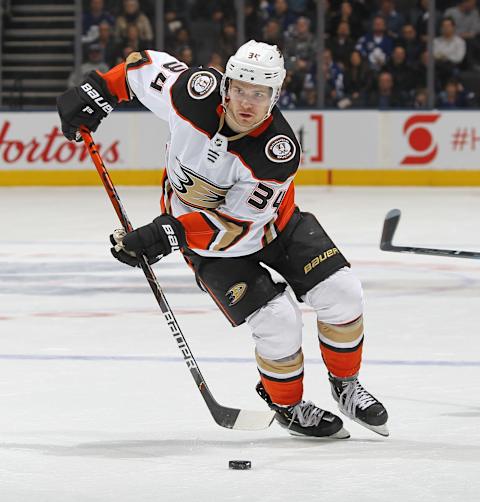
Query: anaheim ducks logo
(195,190)
(236,293)
(280,149)
(201,84)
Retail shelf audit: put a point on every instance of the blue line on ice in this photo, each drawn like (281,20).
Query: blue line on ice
(222,360)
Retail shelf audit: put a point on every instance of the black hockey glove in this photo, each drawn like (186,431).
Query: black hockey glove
(86,104)
(155,240)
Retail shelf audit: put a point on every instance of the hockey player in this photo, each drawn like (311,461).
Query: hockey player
(228,203)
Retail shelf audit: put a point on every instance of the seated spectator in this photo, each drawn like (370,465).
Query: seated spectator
(273,34)
(94,63)
(281,13)
(385,96)
(329,16)
(376,46)
(358,81)
(288,98)
(308,96)
(453,96)
(408,40)
(91,20)
(393,19)
(253,21)
(420,100)
(299,7)
(181,39)
(448,50)
(419,18)
(172,24)
(364,9)
(132,15)
(420,73)
(216,61)
(301,43)
(180,7)
(334,81)
(300,75)
(107,43)
(186,55)
(466,18)
(215,12)
(132,39)
(348,15)
(467,22)
(124,53)
(449,46)
(401,71)
(221,15)
(205,23)
(342,44)
(228,40)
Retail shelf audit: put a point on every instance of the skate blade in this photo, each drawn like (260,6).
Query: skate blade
(379,429)
(341,434)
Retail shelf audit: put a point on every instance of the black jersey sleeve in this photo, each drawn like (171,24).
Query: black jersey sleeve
(196,96)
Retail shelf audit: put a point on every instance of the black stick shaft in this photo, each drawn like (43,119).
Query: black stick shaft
(451,253)
(224,416)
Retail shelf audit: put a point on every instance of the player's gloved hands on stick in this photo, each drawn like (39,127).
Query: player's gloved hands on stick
(155,240)
(86,104)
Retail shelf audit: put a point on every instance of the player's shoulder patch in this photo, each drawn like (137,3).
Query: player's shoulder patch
(273,155)
(201,84)
(195,97)
(280,148)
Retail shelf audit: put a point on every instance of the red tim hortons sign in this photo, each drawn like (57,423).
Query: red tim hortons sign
(42,149)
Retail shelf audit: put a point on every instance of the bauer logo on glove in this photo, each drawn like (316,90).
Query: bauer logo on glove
(85,105)
(172,238)
(155,240)
(95,95)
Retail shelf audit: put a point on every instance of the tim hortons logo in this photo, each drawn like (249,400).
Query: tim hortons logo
(48,147)
(420,139)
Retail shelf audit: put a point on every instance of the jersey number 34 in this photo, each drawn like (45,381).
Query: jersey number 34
(262,195)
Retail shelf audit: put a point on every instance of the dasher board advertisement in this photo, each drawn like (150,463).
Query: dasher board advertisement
(338,147)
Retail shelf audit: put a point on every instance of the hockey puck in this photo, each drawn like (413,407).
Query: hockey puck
(240,465)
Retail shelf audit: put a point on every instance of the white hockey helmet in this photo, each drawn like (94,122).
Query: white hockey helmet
(256,63)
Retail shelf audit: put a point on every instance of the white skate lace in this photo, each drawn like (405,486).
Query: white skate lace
(353,396)
(307,414)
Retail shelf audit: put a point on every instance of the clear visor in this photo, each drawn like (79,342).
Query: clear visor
(257,95)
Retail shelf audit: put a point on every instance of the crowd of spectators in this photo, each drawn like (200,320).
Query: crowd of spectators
(375,50)
(111,31)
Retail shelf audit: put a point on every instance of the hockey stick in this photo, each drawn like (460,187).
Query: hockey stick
(390,225)
(231,418)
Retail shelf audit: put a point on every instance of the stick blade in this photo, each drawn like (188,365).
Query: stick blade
(232,418)
(389,227)
(249,420)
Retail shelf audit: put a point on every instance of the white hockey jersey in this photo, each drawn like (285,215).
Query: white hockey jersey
(232,197)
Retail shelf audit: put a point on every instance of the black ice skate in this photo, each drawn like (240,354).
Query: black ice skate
(305,419)
(358,404)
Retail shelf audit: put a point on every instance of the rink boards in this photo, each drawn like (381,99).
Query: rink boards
(338,148)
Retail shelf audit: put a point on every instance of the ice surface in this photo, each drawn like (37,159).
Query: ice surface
(98,405)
